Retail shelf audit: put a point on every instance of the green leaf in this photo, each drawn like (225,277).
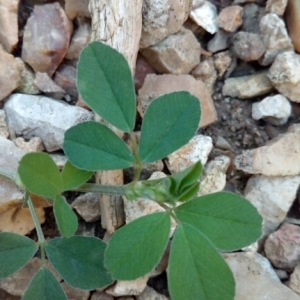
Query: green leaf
(106,85)
(15,252)
(196,270)
(228,220)
(169,123)
(135,249)
(44,286)
(40,175)
(65,217)
(79,261)
(92,146)
(73,177)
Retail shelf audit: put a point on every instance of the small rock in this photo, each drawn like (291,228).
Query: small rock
(9,24)
(206,72)
(35,144)
(292,17)
(282,247)
(214,176)
(46,85)
(204,13)
(150,294)
(276,6)
(97,295)
(285,75)
(219,41)
(177,54)
(161,19)
(197,149)
(3,126)
(222,144)
(17,283)
(251,17)
(222,62)
(31,116)
(79,39)
(249,86)
(158,85)
(274,36)
(66,78)
(130,287)
(256,279)
(278,157)
(294,282)
(73,293)
(59,159)
(142,69)
(274,109)
(88,206)
(27,85)
(77,8)
(248,46)
(282,274)
(46,37)
(230,18)
(273,197)
(10,77)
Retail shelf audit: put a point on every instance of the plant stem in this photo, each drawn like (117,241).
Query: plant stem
(104,189)
(137,163)
(38,227)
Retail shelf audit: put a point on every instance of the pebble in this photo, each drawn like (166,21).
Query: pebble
(273,197)
(285,75)
(248,46)
(44,117)
(9,24)
(77,8)
(249,86)
(278,157)
(35,144)
(276,6)
(256,279)
(204,13)
(3,126)
(177,54)
(230,18)
(197,149)
(219,41)
(251,17)
(66,77)
(275,37)
(46,37)
(88,206)
(150,294)
(10,70)
(273,109)
(282,247)
(161,19)
(222,62)
(294,281)
(158,85)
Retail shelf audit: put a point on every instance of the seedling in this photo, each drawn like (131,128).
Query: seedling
(205,225)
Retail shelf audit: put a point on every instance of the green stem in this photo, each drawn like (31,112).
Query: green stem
(104,189)
(137,163)
(169,210)
(38,227)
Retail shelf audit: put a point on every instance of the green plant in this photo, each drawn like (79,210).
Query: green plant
(206,225)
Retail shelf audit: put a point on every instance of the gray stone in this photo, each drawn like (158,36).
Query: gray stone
(275,37)
(274,109)
(3,126)
(249,86)
(285,75)
(204,13)
(88,206)
(251,17)
(177,54)
(219,41)
(43,117)
(256,279)
(248,46)
(150,294)
(282,247)
(273,197)
(161,19)
(197,149)
(278,157)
